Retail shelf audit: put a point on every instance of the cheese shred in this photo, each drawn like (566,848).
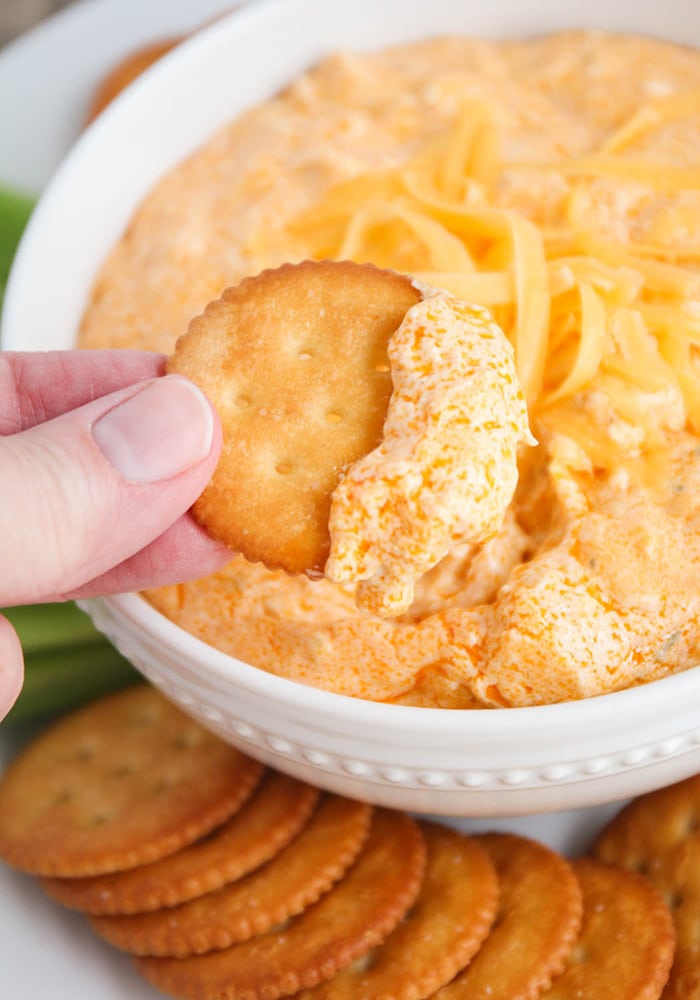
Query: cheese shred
(584,309)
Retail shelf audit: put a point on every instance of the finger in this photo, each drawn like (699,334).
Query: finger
(85,491)
(37,386)
(183,552)
(11,667)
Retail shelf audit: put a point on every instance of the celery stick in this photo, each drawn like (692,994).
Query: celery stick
(43,626)
(66,660)
(15,209)
(60,679)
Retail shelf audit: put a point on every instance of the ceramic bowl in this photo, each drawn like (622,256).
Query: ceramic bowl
(468,763)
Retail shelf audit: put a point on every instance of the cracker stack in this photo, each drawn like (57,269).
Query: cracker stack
(227,880)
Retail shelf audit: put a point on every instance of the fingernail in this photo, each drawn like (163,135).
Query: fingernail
(158,433)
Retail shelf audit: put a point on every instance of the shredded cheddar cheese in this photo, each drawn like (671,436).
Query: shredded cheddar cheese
(582,309)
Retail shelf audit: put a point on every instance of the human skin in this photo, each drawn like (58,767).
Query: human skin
(101,457)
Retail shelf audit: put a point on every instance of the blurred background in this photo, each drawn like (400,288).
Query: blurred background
(17,16)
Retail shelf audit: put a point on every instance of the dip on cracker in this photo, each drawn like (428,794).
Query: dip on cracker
(299,362)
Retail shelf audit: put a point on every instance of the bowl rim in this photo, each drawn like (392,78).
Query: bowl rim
(613,705)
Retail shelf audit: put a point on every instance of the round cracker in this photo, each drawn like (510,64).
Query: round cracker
(126,780)
(650,826)
(267,822)
(295,362)
(626,944)
(291,881)
(657,835)
(678,879)
(442,931)
(354,917)
(539,916)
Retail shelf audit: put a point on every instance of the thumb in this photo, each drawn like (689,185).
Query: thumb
(11,667)
(86,490)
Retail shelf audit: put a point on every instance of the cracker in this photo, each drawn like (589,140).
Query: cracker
(657,835)
(126,780)
(354,917)
(293,880)
(539,916)
(125,72)
(650,826)
(625,947)
(267,822)
(295,362)
(442,931)
(678,879)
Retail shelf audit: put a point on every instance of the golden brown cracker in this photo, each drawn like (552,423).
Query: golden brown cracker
(657,835)
(626,944)
(441,932)
(650,826)
(295,362)
(291,881)
(354,917)
(125,72)
(254,834)
(539,916)
(678,879)
(122,782)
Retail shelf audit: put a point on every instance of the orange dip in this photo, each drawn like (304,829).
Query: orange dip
(554,183)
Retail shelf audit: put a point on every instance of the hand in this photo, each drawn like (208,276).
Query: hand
(100,459)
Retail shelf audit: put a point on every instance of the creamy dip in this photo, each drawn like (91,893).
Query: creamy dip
(446,468)
(555,183)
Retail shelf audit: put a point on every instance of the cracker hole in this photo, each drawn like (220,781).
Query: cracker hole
(243,401)
(305,355)
(162,785)
(382,367)
(283,468)
(282,926)
(148,718)
(333,417)
(579,954)
(186,740)
(364,963)
(63,797)
(121,770)
(674,900)
(692,824)
(99,819)
(85,753)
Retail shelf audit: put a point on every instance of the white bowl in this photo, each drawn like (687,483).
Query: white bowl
(469,763)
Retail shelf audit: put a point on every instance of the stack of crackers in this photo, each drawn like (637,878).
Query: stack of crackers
(227,880)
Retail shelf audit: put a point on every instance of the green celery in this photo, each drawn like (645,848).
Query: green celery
(67,662)
(44,626)
(15,209)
